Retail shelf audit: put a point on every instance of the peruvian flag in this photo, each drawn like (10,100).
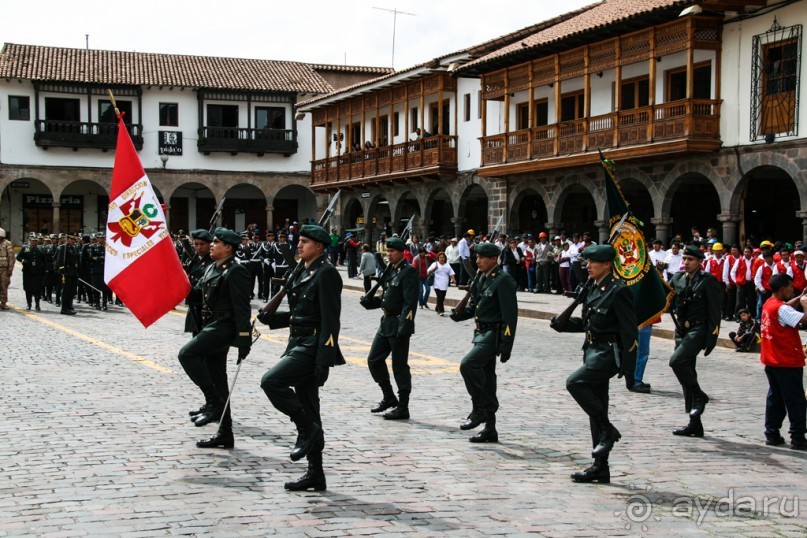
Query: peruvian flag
(142,266)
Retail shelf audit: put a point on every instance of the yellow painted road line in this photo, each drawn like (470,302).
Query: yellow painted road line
(145,362)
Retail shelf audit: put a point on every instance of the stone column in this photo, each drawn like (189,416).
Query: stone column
(803,216)
(552,228)
(730,222)
(603,230)
(458,227)
(663,226)
(167,211)
(56,215)
(270,218)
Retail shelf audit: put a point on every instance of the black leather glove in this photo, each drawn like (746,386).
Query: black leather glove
(708,349)
(242,354)
(264,317)
(321,374)
(554,324)
(505,356)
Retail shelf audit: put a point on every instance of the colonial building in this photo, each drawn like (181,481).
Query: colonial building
(206,128)
(697,102)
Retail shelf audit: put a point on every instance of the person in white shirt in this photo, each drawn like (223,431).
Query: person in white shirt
(453,255)
(443,274)
(673,261)
(465,254)
(657,255)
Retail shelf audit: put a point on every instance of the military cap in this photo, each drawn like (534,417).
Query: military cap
(100,235)
(85,238)
(54,236)
(201,234)
(282,234)
(396,243)
(488,250)
(599,253)
(270,232)
(227,236)
(692,250)
(316,233)
(62,235)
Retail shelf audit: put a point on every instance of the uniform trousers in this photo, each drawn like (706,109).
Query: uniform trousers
(204,359)
(747,297)
(478,369)
(5,280)
(785,398)
(398,347)
(68,292)
(291,386)
(683,362)
(589,388)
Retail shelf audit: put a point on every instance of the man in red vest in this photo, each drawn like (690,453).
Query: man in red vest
(797,270)
(742,273)
(783,357)
(762,278)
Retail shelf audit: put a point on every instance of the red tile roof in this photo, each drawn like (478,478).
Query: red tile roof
(32,62)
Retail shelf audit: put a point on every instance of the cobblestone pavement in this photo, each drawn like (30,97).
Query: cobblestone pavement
(97,442)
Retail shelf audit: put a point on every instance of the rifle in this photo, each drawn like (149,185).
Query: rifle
(561,319)
(216,215)
(273,303)
(372,291)
(462,305)
(492,238)
(407,231)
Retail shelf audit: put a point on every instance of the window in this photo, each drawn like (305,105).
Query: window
(435,117)
(355,134)
(19,108)
(635,93)
(169,115)
(779,86)
(466,107)
(572,106)
(383,134)
(676,82)
(522,116)
(541,112)
(222,115)
(62,109)
(106,112)
(413,119)
(270,117)
(396,124)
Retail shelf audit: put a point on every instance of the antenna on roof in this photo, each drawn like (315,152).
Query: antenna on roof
(395,13)
(87,41)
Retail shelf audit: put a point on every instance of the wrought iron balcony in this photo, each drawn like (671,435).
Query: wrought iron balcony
(241,139)
(82,134)
(678,127)
(434,156)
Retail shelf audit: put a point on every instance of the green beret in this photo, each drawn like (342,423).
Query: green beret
(488,250)
(599,253)
(692,250)
(396,243)
(204,235)
(316,233)
(227,236)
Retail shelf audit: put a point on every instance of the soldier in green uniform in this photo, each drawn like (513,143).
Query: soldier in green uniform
(96,258)
(49,248)
(494,307)
(699,297)
(610,348)
(224,290)
(66,264)
(33,259)
(292,385)
(195,268)
(399,302)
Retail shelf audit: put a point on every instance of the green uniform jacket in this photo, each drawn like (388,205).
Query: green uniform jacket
(610,325)
(67,259)
(225,301)
(97,257)
(493,302)
(399,299)
(195,270)
(315,301)
(33,260)
(698,307)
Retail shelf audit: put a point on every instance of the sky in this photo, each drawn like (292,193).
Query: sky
(314,31)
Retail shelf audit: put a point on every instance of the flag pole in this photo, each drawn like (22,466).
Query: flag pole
(114,103)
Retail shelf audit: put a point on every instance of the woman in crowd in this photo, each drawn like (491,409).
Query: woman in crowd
(422,264)
(565,267)
(443,274)
(367,265)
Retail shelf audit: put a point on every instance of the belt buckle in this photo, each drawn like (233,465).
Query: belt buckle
(686,324)
(588,337)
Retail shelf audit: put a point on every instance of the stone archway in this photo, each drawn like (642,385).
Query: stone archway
(439,214)
(577,210)
(475,209)
(83,207)
(640,203)
(191,207)
(245,204)
(406,207)
(528,213)
(692,201)
(379,217)
(296,203)
(26,205)
(353,216)
(767,201)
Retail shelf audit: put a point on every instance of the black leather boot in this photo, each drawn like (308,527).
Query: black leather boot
(388,401)
(599,472)
(699,402)
(693,429)
(314,477)
(309,437)
(401,412)
(476,418)
(608,436)
(488,433)
(214,409)
(220,440)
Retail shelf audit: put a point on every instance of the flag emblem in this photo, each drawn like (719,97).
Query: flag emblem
(631,252)
(136,220)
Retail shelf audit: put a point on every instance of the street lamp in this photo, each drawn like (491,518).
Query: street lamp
(164,159)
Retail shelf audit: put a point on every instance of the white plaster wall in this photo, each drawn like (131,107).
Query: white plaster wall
(736,71)
(469,149)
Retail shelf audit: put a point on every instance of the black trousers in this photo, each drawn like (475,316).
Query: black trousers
(542,271)
(684,360)
(68,292)
(746,341)
(382,347)
(785,398)
(441,297)
(478,369)
(589,388)
(98,282)
(204,359)
(747,297)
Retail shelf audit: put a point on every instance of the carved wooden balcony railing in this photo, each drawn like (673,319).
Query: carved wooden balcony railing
(82,134)
(241,139)
(434,155)
(695,120)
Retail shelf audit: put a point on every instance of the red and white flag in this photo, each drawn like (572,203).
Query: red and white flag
(142,266)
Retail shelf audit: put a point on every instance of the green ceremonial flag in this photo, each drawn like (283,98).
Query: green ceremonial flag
(651,295)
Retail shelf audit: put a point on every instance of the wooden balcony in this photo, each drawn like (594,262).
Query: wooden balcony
(679,127)
(235,140)
(82,134)
(435,156)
